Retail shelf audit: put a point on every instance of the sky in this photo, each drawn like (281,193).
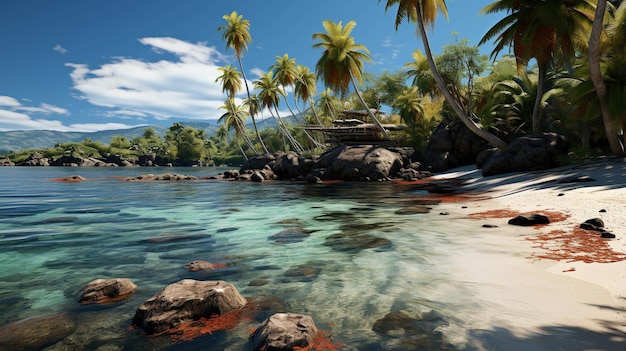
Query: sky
(76,65)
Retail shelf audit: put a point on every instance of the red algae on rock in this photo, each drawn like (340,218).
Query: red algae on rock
(203,326)
(70,179)
(579,245)
(322,342)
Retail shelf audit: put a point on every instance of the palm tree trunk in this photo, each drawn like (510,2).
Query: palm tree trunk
(467,120)
(296,119)
(317,118)
(258,135)
(369,112)
(297,147)
(537,107)
(610,130)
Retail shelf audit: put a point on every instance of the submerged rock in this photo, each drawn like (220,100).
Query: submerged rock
(106,290)
(35,333)
(184,301)
(284,332)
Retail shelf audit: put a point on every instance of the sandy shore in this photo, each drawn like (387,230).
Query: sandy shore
(565,287)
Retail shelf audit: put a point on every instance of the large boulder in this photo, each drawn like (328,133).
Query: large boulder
(358,162)
(279,165)
(284,332)
(106,290)
(184,301)
(451,145)
(35,333)
(528,153)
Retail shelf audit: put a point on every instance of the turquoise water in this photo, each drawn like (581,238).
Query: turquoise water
(55,237)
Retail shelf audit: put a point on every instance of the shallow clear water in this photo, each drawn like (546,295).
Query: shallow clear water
(55,237)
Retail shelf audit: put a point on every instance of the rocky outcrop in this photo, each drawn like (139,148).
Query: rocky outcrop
(35,159)
(357,162)
(279,165)
(284,332)
(451,145)
(35,333)
(5,161)
(528,153)
(106,290)
(184,301)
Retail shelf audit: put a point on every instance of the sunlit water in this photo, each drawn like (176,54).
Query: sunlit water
(55,237)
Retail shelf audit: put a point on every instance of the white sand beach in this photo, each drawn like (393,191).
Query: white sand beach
(560,280)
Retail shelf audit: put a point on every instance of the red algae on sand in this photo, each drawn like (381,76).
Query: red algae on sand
(579,245)
(554,216)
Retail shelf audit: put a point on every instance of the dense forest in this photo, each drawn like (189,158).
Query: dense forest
(558,66)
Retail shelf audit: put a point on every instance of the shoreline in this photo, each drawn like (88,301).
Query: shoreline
(558,275)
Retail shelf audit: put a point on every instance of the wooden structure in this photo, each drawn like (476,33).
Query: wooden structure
(352,131)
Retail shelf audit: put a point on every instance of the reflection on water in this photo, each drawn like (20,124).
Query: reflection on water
(339,252)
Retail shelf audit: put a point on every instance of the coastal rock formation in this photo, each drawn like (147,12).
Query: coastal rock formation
(158,177)
(357,162)
(35,159)
(451,145)
(528,153)
(284,332)
(5,161)
(35,333)
(184,301)
(106,290)
(279,165)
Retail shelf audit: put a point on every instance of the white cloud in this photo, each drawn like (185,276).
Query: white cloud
(16,116)
(59,48)
(182,88)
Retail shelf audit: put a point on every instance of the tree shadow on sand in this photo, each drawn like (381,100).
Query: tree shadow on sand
(570,338)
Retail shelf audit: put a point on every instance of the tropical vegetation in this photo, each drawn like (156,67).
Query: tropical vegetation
(564,74)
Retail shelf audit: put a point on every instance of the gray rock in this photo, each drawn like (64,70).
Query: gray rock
(529,153)
(106,290)
(284,332)
(184,301)
(35,333)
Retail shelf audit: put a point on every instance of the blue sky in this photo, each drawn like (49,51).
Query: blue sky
(76,65)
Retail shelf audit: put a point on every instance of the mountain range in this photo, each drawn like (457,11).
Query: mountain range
(42,139)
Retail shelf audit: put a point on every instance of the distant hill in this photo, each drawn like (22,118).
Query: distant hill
(41,139)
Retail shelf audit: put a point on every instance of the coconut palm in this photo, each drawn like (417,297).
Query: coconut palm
(237,35)
(419,70)
(270,95)
(424,12)
(409,106)
(342,61)
(610,129)
(547,31)
(305,87)
(231,85)
(286,73)
(234,118)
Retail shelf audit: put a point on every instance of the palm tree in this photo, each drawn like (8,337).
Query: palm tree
(419,70)
(424,12)
(231,85)
(342,61)
(326,101)
(234,118)
(237,35)
(269,95)
(305,87)
(548,31)
(595,72)
(255,108)
(409,106)
(286,73)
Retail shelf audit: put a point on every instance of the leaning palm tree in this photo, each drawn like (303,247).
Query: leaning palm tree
(237,35)
(234,118)
(305,87)
(285,72)
(548,31)
(342,61)
(231,85)
(610,129)
(424,12)
(269,95)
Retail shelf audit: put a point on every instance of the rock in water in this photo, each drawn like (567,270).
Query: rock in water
(184,301)
(106,290)
(35,333)
(284,332)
